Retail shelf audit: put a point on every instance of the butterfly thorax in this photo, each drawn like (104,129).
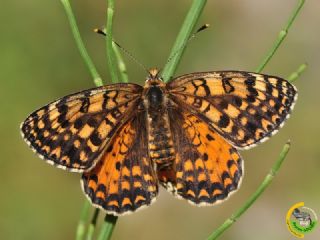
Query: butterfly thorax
(160,144)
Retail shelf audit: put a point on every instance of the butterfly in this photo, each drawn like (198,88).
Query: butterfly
(126,139)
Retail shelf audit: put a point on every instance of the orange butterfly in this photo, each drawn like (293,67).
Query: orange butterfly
(126,138)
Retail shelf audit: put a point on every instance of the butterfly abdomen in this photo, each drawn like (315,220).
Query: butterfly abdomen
(160,144)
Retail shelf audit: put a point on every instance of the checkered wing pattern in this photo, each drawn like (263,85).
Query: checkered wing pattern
(123,180)
(73,132)
(207,169)
(244,108)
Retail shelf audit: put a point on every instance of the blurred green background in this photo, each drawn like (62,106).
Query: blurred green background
(40,62)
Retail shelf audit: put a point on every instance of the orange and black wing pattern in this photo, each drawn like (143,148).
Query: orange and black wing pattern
(207,169)
(244,108)
(73,132)
(124,179)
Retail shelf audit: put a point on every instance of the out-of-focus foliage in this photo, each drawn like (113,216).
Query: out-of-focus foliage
(39,62)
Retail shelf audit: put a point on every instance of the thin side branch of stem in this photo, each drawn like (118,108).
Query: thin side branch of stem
(123,75)
(228,223)
(92,225)
(266,182)
(183,36)
(109,38)
(83,51)
(110,221)
(282,34)
(293,76)
(81,228)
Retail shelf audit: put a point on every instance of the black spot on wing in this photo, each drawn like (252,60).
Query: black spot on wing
(224,121)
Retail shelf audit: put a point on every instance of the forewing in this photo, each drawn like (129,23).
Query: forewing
(245,108)
(207,168)
(74,131)
(124,180)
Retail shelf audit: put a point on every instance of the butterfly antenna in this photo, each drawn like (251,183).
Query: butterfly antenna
(102,32)
(203,27)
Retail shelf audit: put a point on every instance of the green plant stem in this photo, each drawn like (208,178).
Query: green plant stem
(107,227)
(227,224)
(183,36)
(123,75)
(84,53)
(285,150)
(293,76)
(282,34)
(266,182)
(110,221)
(81,228)
(109,38)
(92,225)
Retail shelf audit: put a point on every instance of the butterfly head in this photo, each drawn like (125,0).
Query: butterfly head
(154,77)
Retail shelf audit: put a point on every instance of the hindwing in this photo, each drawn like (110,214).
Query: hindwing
(206,168)
(124,179)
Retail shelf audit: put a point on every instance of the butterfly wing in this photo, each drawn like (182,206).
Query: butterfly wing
(73,132)
(206,168)
(244,108)
(124,180)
